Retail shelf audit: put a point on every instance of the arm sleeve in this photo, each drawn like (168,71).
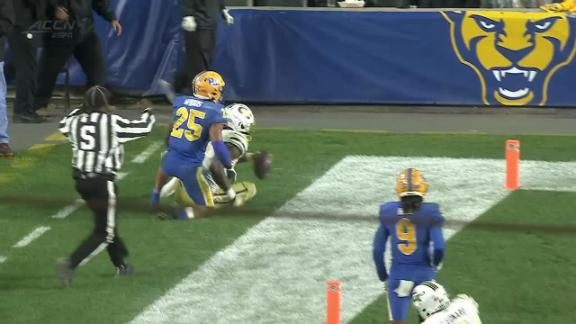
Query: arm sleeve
(379,247)
(103,9)
(129,130)
(222,153)
(64,126)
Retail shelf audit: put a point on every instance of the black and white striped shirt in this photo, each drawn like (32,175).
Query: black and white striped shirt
(97,138)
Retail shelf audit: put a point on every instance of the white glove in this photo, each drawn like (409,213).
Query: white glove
(227,16)
(231,194)
(237,200)
(189,23)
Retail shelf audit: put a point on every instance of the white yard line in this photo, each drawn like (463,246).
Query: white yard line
(146,154)
(66,211)
(3,258)
(276,272)
(121,175)
(35,234)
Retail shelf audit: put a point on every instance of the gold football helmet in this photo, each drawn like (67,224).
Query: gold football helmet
(209,85)
(410,182)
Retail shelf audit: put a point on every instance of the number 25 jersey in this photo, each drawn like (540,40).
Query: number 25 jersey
(192,118)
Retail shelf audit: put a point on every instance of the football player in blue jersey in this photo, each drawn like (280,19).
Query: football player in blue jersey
(197,120)
(237,136)
(414,228)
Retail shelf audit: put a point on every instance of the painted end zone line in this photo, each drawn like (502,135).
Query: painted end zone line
(35,234)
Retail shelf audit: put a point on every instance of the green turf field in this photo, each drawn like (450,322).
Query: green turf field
(516,276)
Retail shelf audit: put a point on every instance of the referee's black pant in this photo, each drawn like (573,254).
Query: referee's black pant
(25,66)
(58,48)
(99,193)
(199,51)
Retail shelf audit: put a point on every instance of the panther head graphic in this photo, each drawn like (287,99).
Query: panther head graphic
(515,54)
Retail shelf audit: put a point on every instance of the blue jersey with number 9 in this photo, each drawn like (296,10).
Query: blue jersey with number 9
(192,119)
(411,237)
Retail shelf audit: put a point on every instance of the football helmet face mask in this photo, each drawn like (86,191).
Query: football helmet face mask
(241,118)
(208,85)
(429,297)
(410,182)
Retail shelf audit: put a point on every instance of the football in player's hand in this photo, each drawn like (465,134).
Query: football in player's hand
(262,164)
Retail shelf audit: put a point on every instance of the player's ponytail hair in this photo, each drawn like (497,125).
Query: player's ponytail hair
(96,98)
(411,203)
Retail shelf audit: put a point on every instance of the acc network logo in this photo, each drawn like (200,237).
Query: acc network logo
(514,54)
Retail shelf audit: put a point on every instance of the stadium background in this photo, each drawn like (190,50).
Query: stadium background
(291,55)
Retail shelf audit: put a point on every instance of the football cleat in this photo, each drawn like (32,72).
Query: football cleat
(65,272)
(124,270)
(410,182)
(184,213)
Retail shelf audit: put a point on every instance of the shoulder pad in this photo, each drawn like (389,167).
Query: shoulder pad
(389,208)
(433,210)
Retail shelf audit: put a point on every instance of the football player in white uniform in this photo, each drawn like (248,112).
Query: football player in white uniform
(434,305)
(237,136)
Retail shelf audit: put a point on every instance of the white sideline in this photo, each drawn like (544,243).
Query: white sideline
(276,272)
(35,234)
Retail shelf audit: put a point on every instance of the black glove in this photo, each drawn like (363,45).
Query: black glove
(383,276)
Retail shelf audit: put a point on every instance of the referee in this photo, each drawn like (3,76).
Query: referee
(97,136)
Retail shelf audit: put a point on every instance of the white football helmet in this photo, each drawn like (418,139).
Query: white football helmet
(241,118)
(429,297)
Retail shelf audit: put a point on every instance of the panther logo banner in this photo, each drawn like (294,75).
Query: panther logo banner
(514,54)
